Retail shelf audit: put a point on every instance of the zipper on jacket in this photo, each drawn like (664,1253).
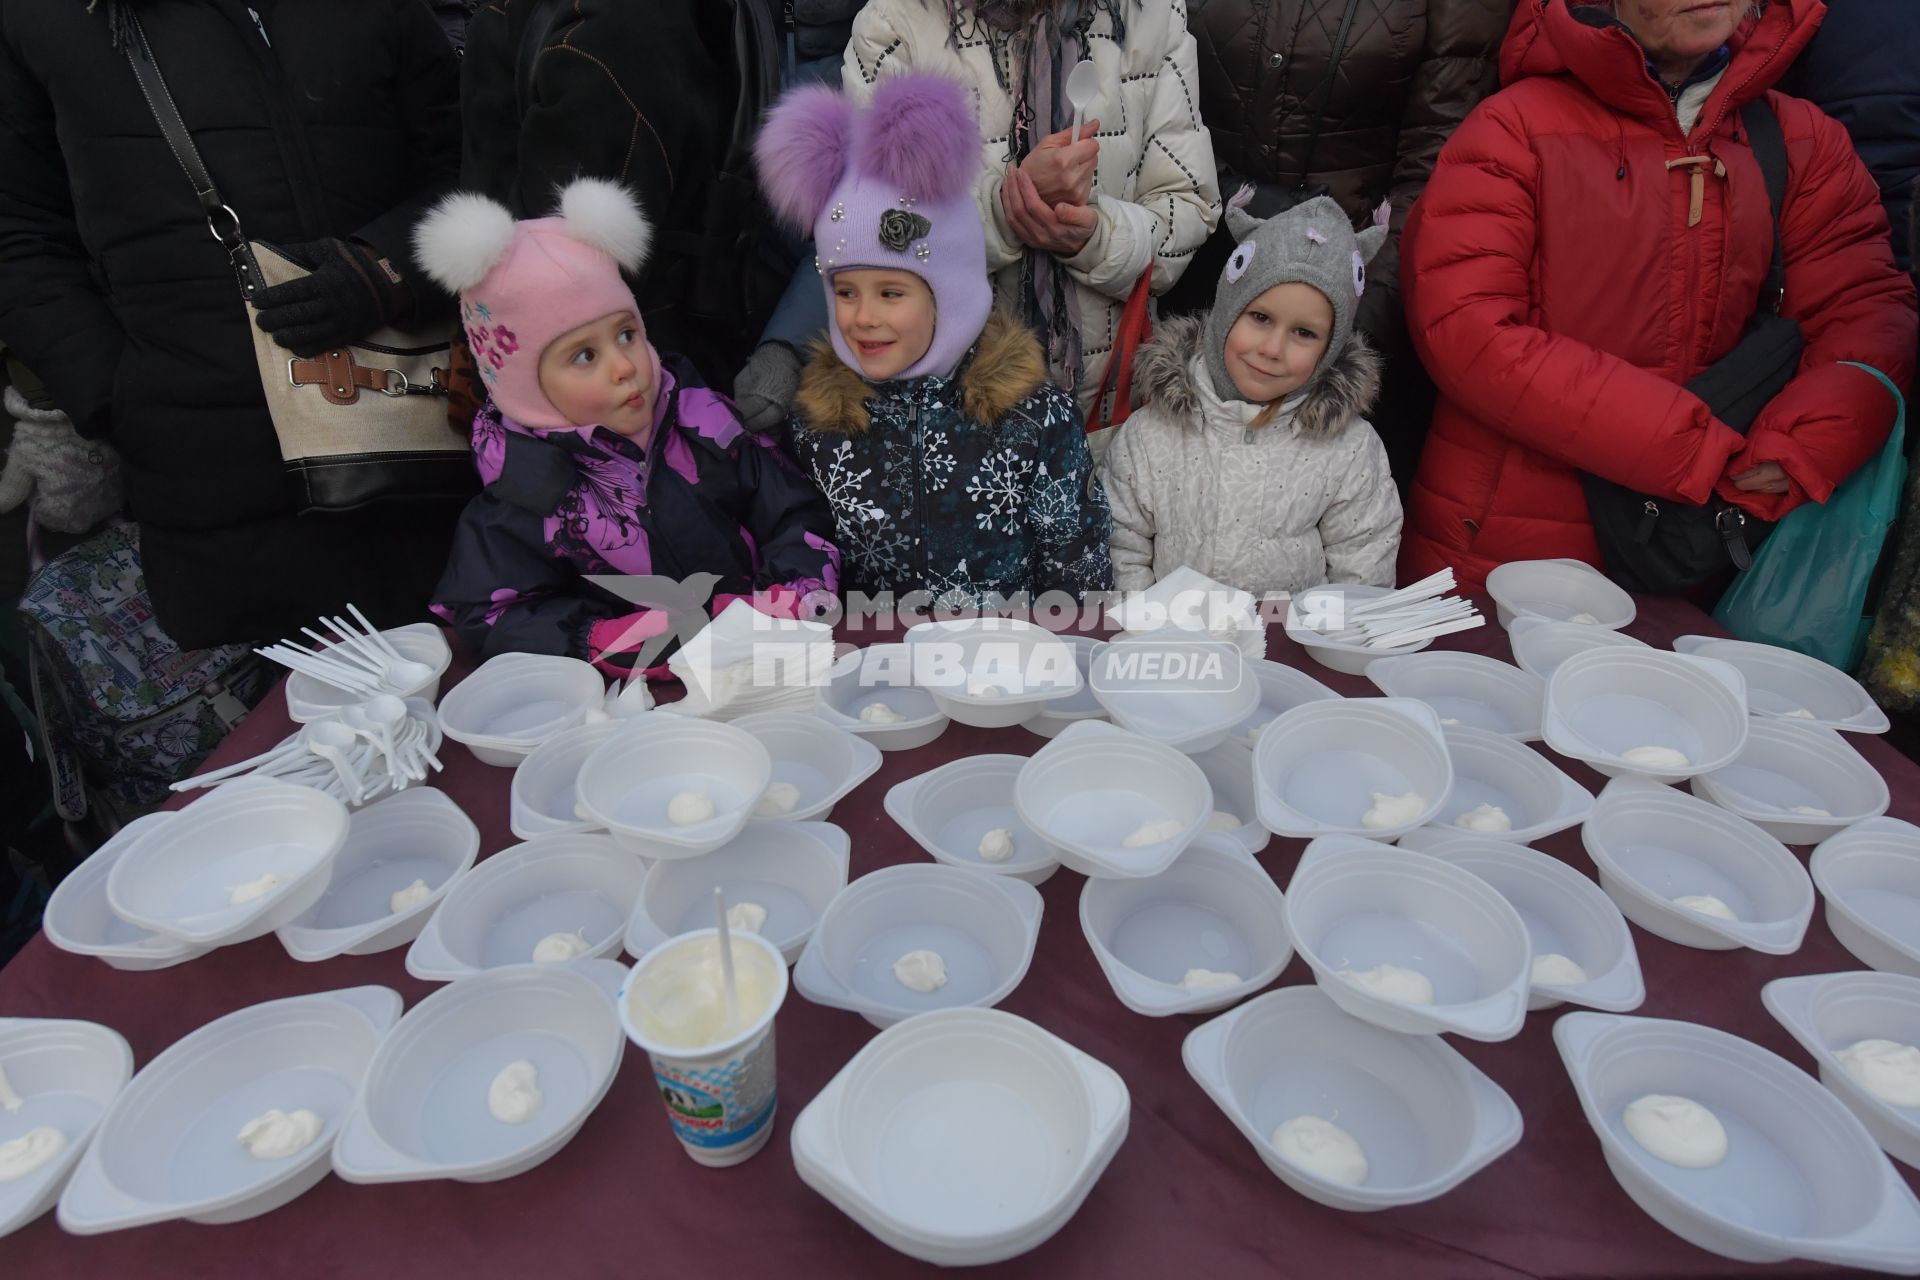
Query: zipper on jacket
(919,488)
(1649,517)
(259,26)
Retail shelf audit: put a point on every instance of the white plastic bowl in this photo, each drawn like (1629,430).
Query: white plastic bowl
(421,1111)
(545,796)
(1564,911)
(1426,1117)
(1558,591)
(1829,1013)
(309,699)
(78,918)
(1802,1177)
(68,1074)
(629,781)
(1096,784)
(822,761)
(514,702)
(1318,767)
(1606,702)
(1469,689)
(1215,909)
(1653,844)
(1781,682)
(1354,904)
(1282,688)
(956,661)
(1870,877)
(415,835)
(498,912)
(1540,646)
(792,869)
(1176,687)
(962,1137)
(1229,770)
(949,810)
(175,879)
(881,674)
(983,927)
(168,1146)
(1489,768)
(1787,764)
(1305,609)
(1078,705)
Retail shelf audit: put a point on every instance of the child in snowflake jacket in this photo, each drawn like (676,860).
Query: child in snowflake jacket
(952,464)
(600,456)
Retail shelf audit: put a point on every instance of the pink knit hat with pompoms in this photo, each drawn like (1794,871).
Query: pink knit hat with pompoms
(890,186)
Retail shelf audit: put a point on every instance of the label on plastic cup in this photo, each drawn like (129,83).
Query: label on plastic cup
(719,1104)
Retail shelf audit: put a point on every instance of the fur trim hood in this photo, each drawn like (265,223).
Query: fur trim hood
(1005,367)
(1168,378)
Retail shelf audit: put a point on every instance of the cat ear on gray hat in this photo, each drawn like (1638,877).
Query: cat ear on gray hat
(1374,236)
(1239,222)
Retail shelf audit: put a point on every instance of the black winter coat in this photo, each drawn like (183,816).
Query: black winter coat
(114,293)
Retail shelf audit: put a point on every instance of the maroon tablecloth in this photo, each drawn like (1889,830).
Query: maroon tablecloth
(1185,1194)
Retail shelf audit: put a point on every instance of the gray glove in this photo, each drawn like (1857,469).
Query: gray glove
(73,483)
(764,389)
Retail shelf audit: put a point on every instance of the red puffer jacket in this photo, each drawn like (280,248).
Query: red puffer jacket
(1561,291)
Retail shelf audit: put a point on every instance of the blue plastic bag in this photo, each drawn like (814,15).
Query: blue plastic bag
(1807,589)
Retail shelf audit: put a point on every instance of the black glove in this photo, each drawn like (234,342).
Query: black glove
(352,291)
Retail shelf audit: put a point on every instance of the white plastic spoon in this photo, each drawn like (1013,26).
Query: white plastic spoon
(1083,86)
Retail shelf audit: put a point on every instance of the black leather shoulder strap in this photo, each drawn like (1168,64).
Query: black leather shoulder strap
(1770,149)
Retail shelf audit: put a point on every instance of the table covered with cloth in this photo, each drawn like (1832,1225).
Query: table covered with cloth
(1186,1193)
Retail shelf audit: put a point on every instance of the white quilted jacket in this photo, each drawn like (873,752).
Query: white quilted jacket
(1155,187)
(1303,500)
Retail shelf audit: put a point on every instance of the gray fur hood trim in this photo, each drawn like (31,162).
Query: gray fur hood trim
(20,409)
(1167,379)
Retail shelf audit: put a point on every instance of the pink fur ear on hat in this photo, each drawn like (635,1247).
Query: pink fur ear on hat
(802,152)
(920,135)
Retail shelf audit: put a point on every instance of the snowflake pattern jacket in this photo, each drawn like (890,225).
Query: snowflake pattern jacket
(964,487)
(705,503)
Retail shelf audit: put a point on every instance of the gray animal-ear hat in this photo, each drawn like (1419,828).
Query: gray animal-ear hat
(1311,243)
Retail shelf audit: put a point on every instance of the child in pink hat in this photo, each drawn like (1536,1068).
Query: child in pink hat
(599,455)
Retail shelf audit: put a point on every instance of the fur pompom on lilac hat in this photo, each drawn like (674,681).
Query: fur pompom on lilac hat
(888,187)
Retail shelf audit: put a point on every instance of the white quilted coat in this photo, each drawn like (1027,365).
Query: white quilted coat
(1155,187)
(1305,499)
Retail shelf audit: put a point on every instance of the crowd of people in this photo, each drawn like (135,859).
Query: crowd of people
(836,296)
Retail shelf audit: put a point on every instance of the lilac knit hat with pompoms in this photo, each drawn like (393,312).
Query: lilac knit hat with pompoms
(890,186)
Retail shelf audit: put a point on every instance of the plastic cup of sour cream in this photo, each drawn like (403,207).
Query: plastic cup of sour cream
(715,1075)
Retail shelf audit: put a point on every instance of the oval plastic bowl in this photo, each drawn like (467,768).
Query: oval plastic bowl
(498,912)
(1564,912)
(630,780)
(1096,784)
(1315,611)
(1318,767)
(1653,844)
(962,1137)
(1489,768)
(984,927)
(1829,1013)
(1178,688)
(1787,764)
(1870,878)
(1213,909)
(950,809)
(68,1074)
(78,919)
(175,880)
(821,761)
(168,1146)
(1426,1117)
(309,699)
(1282,688)
(1802,1177)
(1558,591)
(1606,702)
(954,660)
(1229,770)
(1355,904)
(1078,705)
(421,1111)
(545,795)
(1540,647)
(1469,689)
(881,675)
(793,869)
(1781,682)
(415,835)
(515,701)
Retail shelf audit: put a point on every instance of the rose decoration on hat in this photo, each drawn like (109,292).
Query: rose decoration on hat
(900,228)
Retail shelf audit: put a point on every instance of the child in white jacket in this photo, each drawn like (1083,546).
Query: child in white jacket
(1250,459)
